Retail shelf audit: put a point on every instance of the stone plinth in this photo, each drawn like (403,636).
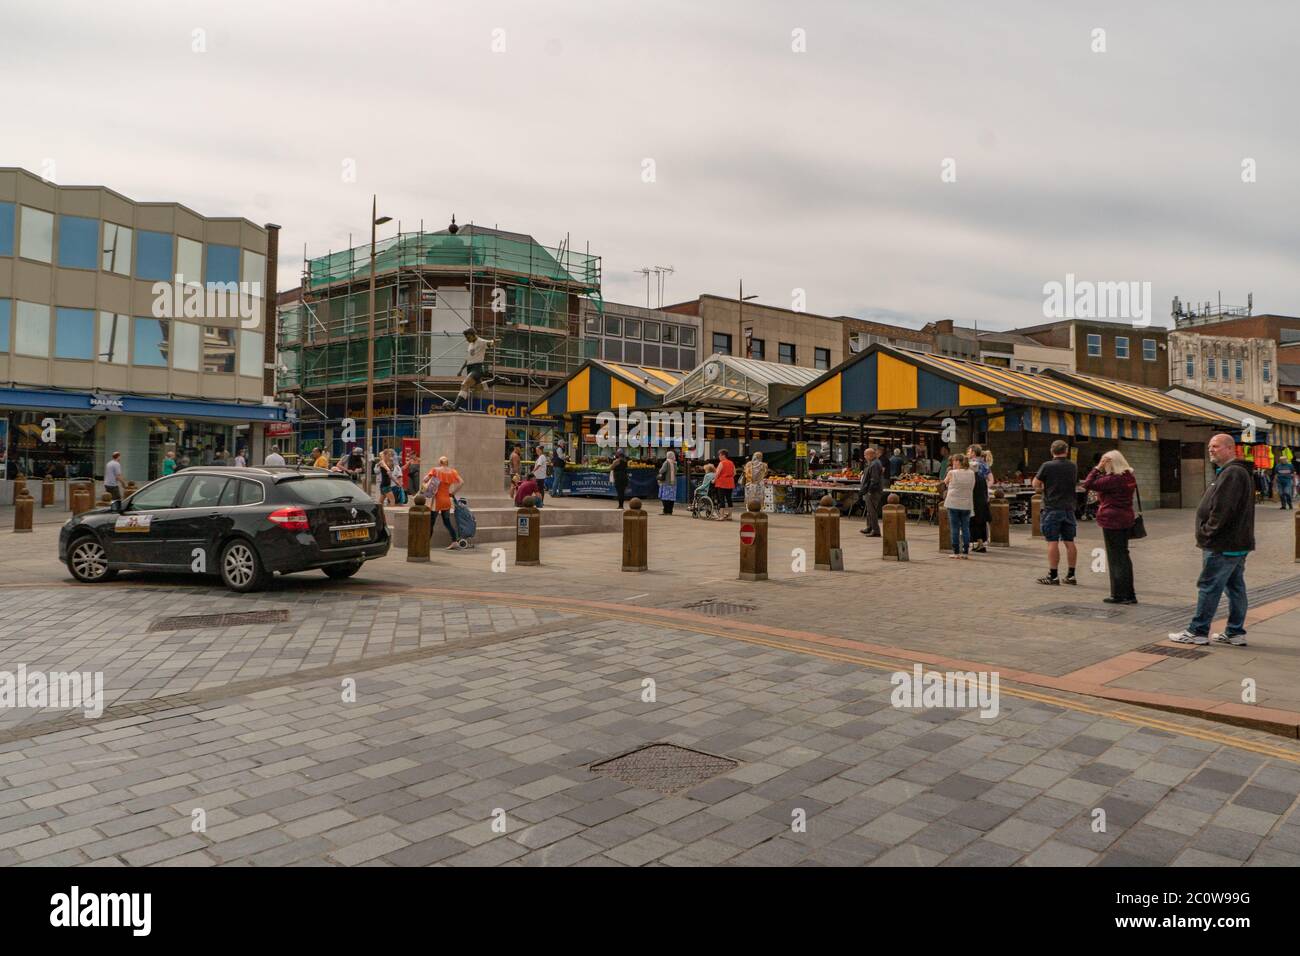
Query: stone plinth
(475,445)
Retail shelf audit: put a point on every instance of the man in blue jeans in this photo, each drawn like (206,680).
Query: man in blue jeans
(1225,531)
(1056,481)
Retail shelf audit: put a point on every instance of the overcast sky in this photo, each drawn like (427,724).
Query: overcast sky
(817,170)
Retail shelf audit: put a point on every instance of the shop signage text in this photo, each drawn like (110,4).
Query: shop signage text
(107,403)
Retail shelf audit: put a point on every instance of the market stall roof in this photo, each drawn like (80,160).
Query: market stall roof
(726,381)
(882,383)
(1280,422)
(602,386)
(1145,398)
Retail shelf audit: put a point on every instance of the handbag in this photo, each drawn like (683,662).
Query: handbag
(1139,529)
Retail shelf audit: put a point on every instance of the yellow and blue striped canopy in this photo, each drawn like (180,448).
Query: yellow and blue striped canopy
(603,386)
(1143,397)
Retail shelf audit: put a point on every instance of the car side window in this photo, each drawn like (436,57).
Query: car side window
(204,491)
(230,496)
(161,494)
(250,492)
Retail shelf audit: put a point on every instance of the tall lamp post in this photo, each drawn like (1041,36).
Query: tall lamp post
(741,299)
(375,221)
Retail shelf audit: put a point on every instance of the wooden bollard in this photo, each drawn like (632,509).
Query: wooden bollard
(47,491)
(105,499)
(893,526)
(753,543)
(23,505)
(128,489)
(999,521)
(419,530)
(826,535)
(68,484)
(528,534)
(20,485)
(80,497)
(945,529)
(1036,516)
(635,537)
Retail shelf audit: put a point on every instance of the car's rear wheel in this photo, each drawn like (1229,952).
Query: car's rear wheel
(88,561)
(340,571)
(241,567)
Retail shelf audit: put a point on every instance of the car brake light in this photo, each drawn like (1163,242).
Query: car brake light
(291,519)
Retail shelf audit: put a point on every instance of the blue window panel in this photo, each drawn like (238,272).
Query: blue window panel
(6,229)
(559,402)
(74,334)
(150,343)
(935,392)
(223,264)
(6,319)
(78,242)
(858,386)
(600,389)
(153,256)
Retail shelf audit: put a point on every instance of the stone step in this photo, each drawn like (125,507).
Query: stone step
(497,524)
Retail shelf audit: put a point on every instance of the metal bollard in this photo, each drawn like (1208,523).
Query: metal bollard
(528,534)
(753,543)
(945,529)
(419,530)
(999,521)
(1297,537)
(635,537)
(894,527)
(1036,516)
(23,505)
(826,536)
(47,491)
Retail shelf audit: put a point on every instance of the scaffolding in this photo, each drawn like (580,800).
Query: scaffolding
(525,297)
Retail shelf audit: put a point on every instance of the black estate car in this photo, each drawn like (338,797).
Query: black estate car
(242,523)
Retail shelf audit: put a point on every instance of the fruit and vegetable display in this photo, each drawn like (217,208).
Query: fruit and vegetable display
(915,483)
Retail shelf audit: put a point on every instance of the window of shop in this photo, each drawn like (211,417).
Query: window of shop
(153,256)
(78,242)
(70,455)
(185,346)
(223,264)
(113,338)
(150,342)
(218,349)
(721,343)
(32,330)
(6,229)
(1121,346)
(189,260)
(785,352)
(74,334)
(36,239)
(821,358)
(6,307)
(117,249)
(250,353)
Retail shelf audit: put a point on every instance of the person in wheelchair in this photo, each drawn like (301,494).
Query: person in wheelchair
(702,499)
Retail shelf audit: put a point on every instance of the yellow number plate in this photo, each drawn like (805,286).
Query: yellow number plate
(354,534)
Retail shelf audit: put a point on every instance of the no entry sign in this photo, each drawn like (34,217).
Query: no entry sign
(746,534)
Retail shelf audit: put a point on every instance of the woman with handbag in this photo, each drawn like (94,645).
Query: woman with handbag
(668,482)
(1113,482)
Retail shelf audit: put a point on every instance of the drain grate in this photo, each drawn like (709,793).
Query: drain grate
(1081,611)
(715,608)
(1184,653)
(666,768)
(230,619)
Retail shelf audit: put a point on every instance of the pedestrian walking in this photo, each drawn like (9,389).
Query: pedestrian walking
(319,459)
(274,459)
(515,462)
(1284,475)
(1113,482)
(387,470)
(618,475)
(668,482)
(540,467)
(980,515)
(113,476)
(240,460)
(1056,481)
(724,484)
(896,463)
(558,475)
(1225,533)
(169,464)
(755,472)
(441,484)
(960,502)
(872,489)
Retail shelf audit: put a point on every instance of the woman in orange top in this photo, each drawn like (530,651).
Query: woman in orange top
(449,482)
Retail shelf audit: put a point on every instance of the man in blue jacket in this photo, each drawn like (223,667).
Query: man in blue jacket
(1225,532)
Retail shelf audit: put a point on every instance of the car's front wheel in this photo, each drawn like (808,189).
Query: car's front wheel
(88,561)
(340,571)
(241,567)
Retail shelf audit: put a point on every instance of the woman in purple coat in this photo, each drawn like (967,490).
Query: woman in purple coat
(1112,479)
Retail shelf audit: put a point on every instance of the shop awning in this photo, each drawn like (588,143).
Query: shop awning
(1275,424)
(885,384)
(603,386)
(726,381)
(1142,397)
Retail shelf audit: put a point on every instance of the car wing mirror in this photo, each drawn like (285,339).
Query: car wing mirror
(115,506)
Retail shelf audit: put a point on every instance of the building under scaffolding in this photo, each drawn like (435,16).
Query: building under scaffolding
(430,287)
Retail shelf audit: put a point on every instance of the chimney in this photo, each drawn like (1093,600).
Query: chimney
(943,327)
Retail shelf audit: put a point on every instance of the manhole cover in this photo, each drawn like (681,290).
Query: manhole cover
(1185,653)
(666,768)
(230,619)
(1082,611)
(715,608)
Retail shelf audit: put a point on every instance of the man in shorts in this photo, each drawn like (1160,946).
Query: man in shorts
(475,369)
(1056,481)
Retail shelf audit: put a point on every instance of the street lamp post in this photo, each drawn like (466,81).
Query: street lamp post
(375,221)
(741,299)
